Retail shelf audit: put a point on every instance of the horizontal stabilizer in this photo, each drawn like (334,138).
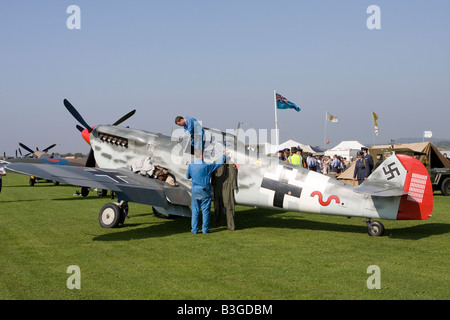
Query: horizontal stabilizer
(374,190)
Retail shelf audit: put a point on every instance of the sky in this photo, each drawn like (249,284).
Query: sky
(220,62)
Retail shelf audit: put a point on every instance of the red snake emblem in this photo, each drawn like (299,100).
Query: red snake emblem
(326,203)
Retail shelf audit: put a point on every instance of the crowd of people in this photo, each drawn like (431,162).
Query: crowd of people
(331,166)
(321,164)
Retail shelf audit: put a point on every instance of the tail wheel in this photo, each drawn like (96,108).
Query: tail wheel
(375,229)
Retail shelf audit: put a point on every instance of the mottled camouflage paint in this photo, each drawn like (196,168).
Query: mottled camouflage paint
(262,181)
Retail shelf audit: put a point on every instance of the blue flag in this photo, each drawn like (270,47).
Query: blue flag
(283,103)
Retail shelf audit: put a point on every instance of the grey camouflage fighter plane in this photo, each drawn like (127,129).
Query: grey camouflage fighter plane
(127,159)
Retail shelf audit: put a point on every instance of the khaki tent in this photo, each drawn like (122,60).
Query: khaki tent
(347,175)
(428,154)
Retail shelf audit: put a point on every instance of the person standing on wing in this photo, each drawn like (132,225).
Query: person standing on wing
(192,126)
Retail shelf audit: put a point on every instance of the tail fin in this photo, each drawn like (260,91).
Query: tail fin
(404,176)
(386,181)
(417,204)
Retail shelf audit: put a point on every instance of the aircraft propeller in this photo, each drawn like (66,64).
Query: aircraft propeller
(76,115)
(37,149)
(90,162)
(25,147)
(48,148)
(125,117)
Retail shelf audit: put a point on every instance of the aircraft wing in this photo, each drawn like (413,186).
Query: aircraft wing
(52,161)
(129,186)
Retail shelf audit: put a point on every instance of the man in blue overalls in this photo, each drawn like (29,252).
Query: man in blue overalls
(200,172)
(192,126)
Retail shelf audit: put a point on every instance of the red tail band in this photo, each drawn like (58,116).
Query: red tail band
(417,204)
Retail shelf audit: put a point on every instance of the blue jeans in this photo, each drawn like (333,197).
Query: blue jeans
(205,205)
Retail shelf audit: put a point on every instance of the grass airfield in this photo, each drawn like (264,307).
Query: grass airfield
(273,255)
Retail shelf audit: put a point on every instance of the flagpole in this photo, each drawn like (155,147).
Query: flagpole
(276,120)
(325,134)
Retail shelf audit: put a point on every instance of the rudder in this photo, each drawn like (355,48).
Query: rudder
(417,203)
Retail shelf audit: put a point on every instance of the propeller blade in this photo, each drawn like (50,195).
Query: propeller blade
(25,147)
(125,117)
(48,148)
(80,128)
(90,162)
(76,115)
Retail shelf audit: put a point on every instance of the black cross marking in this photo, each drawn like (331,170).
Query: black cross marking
(391,171)
(102,173)
(281,187)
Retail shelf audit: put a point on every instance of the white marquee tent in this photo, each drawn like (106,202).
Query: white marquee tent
(345,149)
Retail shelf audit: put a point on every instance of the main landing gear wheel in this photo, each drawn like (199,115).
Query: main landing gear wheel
(375,228)
(112,214)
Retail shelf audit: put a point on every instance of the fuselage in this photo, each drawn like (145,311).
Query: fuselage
(262,181)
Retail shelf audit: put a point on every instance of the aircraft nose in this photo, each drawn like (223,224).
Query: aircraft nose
(86,135)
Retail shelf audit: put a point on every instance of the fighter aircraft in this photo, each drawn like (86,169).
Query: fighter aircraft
(38,154)
(40,157)
(399,189)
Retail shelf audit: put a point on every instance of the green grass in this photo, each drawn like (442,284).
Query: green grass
(272,254)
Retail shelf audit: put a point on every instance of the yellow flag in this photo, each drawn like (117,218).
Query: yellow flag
(375,118)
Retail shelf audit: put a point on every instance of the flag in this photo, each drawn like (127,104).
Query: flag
(283,103)
(375,118)
(332,118)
